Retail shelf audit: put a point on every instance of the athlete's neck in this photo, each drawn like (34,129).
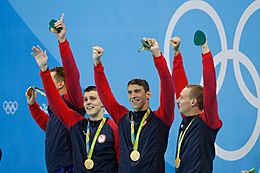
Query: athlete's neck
(97,117)
(194,113)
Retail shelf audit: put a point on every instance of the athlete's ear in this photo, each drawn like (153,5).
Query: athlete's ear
(103,107)
(194,102)
(148,95)
(61,85)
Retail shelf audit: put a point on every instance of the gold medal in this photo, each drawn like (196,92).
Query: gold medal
(135,155)
(89,164)
(181,136)
(177,162)
(30,91)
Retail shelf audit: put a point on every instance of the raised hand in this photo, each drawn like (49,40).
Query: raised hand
(175,42)
(97,52)
(40,57)
(59,24)
(30,95)
(154,46)
(205,47)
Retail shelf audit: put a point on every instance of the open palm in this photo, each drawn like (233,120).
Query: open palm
(41,57)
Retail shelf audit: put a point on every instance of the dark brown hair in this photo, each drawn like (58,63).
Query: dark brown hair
(90,88)
(140,82)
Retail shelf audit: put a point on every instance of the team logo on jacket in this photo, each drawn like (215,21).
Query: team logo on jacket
(102,138)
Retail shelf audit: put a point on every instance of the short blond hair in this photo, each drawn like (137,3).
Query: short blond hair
(196,92)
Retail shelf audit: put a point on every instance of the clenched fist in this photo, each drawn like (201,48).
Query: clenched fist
(154,46)
(175,42)
(97,52)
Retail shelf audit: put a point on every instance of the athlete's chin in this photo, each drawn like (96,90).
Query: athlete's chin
(181,111)
(136,107)
(91,113)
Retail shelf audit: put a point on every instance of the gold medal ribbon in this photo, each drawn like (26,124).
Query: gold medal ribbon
(135,140)
(39,90)
(181,137)
(90,151)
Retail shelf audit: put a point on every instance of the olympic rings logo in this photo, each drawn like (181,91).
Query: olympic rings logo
(10,107)
(222,57)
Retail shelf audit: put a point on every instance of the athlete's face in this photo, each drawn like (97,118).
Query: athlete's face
(92,104)
(184,102)
(138,98)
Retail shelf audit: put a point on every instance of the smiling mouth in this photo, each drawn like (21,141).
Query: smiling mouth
(89,107)
(135,101)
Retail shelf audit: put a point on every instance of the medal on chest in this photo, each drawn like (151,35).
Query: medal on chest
(89,163)
(180,140)
(135,154)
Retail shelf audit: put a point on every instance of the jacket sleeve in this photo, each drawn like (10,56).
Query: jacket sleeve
(72,75)
(57,104)
(179,77)
(39,115)
(167,91)
(113,125)
(116,110)
(210,116)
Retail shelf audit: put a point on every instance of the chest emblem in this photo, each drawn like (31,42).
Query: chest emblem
(102,138)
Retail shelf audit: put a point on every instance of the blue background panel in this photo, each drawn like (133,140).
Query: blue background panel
(118,26)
